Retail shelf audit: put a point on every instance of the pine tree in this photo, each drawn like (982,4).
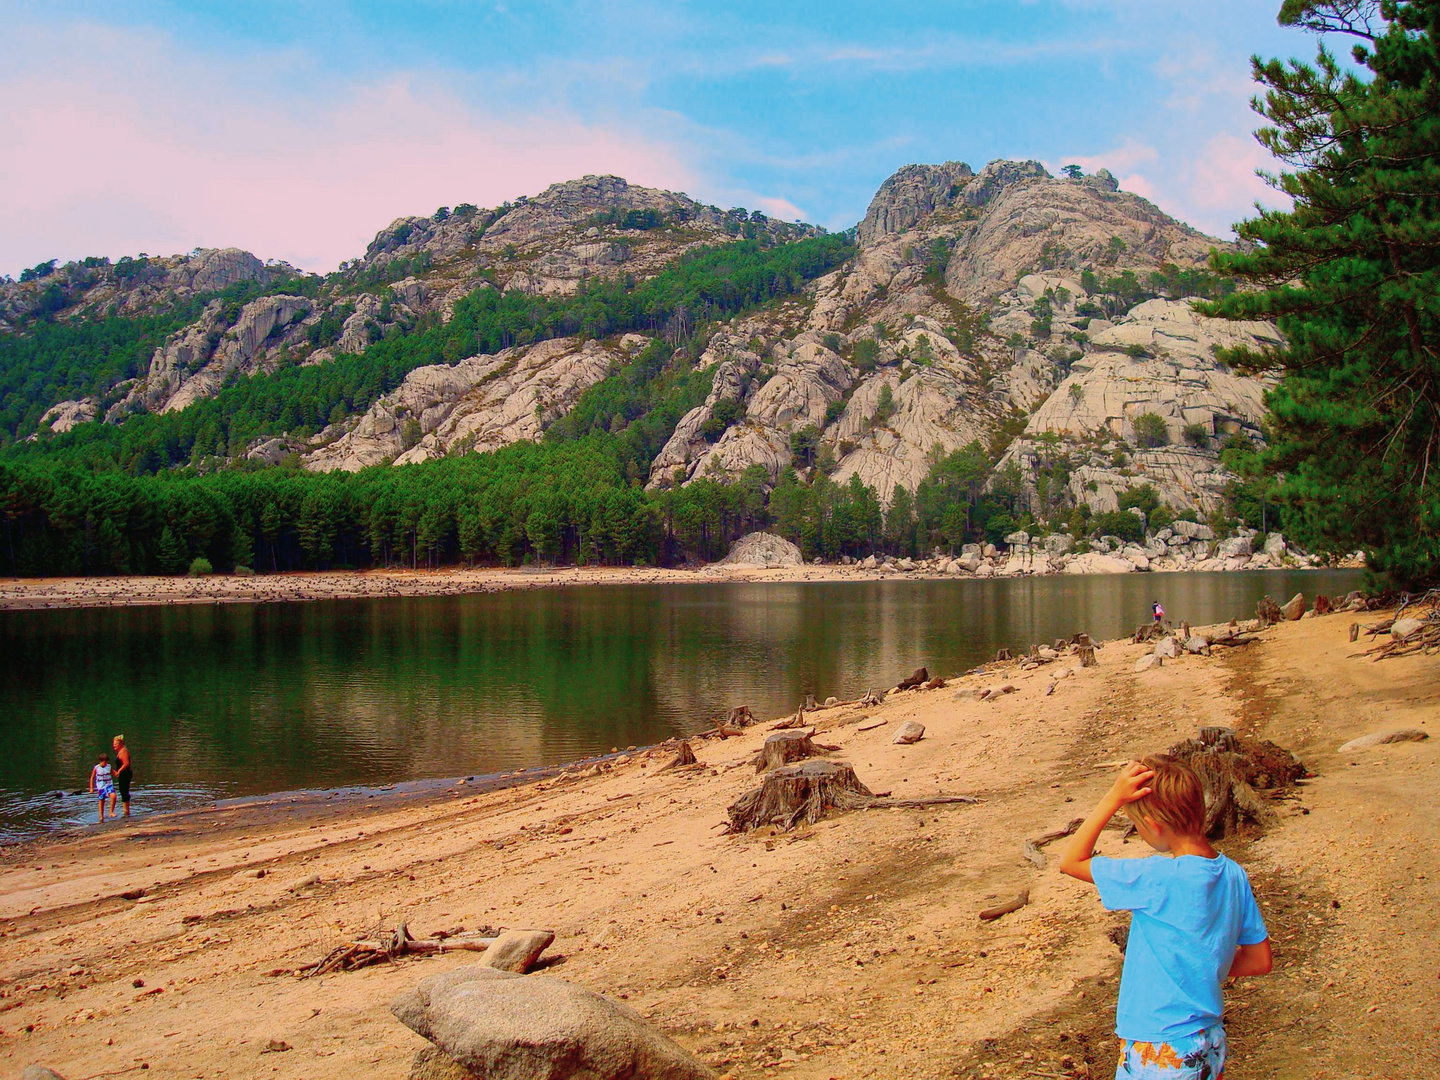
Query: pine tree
(1351,274)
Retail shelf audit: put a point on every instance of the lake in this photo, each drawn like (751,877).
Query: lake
(234,699)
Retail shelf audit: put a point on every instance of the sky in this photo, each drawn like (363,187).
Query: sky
(298,129)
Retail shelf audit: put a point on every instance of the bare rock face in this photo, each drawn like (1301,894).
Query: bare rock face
(64,415)
(173,385)
(482,403)
(1158,360)
(734,364)
(763,549)
(911,194)
(212,269)
(803,387)
(532,1027)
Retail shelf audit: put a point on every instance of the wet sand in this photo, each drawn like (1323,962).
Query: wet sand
(849,949)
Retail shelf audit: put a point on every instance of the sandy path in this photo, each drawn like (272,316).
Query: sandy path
(851,949)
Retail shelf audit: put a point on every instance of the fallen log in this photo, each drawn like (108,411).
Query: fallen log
(990,914)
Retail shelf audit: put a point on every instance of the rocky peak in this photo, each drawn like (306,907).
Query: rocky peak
(997,175)
(911,194)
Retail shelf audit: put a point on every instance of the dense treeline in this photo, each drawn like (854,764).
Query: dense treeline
(701,286)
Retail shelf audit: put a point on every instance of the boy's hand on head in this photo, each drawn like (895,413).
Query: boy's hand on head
(1131,784)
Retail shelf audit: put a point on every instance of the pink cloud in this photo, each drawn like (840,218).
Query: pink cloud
(780,208)
(117,143)
(1222,178)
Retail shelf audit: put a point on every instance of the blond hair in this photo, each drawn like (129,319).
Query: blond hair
(1176,799)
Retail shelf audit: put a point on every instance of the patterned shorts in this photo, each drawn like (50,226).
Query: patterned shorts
(104,791)
(1201,1057)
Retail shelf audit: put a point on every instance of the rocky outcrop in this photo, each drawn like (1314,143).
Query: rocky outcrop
(763,549)
(1157,361)
(64,415)
(481,403)
(910,195)
(196,363)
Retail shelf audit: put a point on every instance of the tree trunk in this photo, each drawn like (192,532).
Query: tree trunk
(785,747)
(799,793)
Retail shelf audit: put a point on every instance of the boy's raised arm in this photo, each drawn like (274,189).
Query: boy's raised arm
(1128,787)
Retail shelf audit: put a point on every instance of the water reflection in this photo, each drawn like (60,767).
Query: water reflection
(238,699)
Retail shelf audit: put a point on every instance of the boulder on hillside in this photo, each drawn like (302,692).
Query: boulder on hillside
(763,549)
(531,1027)
(1294,608)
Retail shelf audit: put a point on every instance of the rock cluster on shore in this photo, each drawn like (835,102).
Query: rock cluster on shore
(1180,546)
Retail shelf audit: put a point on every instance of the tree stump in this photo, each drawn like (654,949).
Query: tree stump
(799,793)
(1002,655)
(785,747)
(740,716)
(686,756)
(1268,612)
(919,677)
(810,704)
(1087,655)
(1324,605)
(1234,770)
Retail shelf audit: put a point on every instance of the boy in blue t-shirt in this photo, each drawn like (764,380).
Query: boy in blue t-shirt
(1194,923)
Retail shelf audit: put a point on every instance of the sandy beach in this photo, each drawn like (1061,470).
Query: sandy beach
(848,949)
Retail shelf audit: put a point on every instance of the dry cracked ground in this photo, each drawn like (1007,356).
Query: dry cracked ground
(850,949)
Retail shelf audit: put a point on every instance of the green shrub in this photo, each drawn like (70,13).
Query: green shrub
(1194,434)
(1150,431)
(201,567)
(244,571)
(866,354)
(1121,523)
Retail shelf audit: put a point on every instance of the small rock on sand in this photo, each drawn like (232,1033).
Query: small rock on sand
(1380,738)
(512,1027)
(1145,663)
(1166,649)
(517,950)
(1403,628)
(911,731)
(39,1072)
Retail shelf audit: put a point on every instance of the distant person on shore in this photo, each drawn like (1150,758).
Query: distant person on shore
(1158,612)
(102,784)
(124,774)
(1194,922)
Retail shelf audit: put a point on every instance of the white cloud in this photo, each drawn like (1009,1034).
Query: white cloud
(118,142)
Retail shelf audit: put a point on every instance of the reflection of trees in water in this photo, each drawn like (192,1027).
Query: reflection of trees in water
(267,697)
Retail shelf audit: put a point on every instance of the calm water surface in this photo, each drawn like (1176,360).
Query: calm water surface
(226,700)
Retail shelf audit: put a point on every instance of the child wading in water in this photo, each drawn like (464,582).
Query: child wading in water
(1195,921)
(102,783)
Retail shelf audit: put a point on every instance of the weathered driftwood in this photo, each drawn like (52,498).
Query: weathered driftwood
(806,792)
(1354,631)
(990,914)
(358,954)
(1234,770)
(936,683)
(1032,847)
(918,678)
(787,747)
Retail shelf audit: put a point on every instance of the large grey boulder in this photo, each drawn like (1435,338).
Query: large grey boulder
(1236,546)
(531,1027)
(763,549)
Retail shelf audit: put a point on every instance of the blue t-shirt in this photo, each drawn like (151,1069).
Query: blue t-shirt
(1190,914)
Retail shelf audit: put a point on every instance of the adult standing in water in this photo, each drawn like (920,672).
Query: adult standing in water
(123,774)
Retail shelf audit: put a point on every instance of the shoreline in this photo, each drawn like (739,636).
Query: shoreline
(32,594)
(847,949)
